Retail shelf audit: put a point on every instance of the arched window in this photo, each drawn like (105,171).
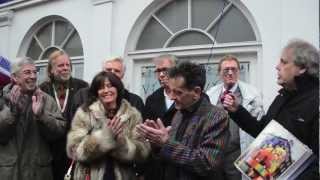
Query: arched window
(198,30)
(50,36)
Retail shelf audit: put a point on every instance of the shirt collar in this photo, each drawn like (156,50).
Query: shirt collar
(233,89)
(193,107)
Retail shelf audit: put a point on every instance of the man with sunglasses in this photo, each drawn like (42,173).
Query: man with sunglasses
(159,105)
(250,98)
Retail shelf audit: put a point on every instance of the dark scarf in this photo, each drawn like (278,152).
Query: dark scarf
(109,166)
(173,171)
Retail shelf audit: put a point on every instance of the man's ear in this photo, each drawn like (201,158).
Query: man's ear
(14,78)
(198,90)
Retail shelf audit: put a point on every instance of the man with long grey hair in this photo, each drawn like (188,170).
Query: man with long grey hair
(62,87)
(297,105)
(29,121)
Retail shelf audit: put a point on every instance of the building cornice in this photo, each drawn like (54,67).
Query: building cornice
(18,4)
(6,18)
(99,2)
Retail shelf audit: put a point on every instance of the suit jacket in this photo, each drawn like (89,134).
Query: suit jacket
(156,108)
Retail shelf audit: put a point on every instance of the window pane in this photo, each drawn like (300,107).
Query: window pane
(42,74)
(74,46)
(211,75)
(45,34)
(34,50)
(77,70)
(190,38)
(149,81)
(153,36)
(61,31)
(233,27)
(175,15)
(205,11)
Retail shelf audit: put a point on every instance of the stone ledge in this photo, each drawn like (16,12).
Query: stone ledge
(18,4)
(99,2)
(6,18)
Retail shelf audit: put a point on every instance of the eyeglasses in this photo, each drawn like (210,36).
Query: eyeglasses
(29,72)
(232,69)
(161,70)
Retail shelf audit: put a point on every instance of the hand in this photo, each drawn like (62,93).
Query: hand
(230,103)
(152,123)
(155,132)
(37,102)
(17,100)
(116,126)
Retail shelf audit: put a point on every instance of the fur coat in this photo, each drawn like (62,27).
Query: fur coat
(90,141)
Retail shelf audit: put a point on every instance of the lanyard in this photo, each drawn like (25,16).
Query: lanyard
(57,99)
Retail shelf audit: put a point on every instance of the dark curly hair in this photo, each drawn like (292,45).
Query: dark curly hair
(193,74)
(97,83)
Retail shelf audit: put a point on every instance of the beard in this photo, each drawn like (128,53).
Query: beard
(61,80)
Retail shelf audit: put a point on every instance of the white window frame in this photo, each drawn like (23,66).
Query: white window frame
(137,58)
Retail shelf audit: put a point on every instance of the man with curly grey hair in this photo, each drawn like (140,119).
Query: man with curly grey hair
(297,105)
(29,121)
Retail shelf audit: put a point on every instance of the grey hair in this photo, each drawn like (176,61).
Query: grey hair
(19,63)
(170,57)
(115,59)
(305,55)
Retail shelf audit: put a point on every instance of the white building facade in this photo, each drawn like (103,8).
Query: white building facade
(198,30)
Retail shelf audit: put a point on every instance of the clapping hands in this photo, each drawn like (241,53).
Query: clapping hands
(154,131)
(37,102)
(116,126)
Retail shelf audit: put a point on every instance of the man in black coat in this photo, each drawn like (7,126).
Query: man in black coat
(62,87)
(296,107)
(159,105)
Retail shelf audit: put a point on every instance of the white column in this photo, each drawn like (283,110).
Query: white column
(5,23)
(100,41)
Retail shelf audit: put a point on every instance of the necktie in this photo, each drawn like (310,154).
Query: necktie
(223,95)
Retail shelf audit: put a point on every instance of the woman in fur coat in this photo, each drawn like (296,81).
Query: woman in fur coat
(103,138)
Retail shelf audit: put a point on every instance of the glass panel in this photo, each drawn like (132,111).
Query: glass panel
(74,46)
(153,36)
(45,34)
(174,15)
(205,11)
(61,31)
(42,73)
(48,52)
(34,50)
(190,38)
(149,81)
(233,27)
(77,70)
(211,75)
